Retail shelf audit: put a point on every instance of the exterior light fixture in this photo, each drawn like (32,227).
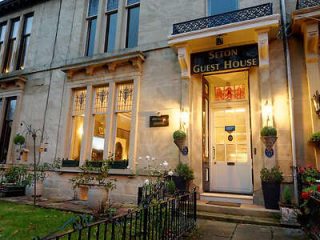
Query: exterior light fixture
(184,117)
(219,40)
(316,102)
(267,112)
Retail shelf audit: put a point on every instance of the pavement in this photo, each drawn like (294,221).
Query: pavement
(218,230)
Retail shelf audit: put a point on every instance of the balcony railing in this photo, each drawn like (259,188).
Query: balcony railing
(307,3)
(224,18)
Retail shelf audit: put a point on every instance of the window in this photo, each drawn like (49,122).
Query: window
(11,47)
(3,28)
(78,114)
(132,23)
(9,111)
(221,6)
(123,120)
(92,25)
(101,95)
(112,15)
(25,39)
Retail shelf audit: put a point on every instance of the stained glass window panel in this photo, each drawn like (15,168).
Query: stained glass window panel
(230,93)
(79,102)
(101,100)
(98,137)
(124,97)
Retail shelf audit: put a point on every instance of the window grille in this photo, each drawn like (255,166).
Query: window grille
(79,102)
(124,97)
(101,99)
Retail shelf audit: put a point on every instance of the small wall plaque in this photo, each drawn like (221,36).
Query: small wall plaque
(230,128)
(159,121)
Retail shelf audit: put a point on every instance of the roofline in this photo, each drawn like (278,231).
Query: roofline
(10,6)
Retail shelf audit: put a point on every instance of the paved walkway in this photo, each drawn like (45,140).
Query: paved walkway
(216,230)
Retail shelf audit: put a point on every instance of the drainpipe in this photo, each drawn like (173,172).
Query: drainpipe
(291,96)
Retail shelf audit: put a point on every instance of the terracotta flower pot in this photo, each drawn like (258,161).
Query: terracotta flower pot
(83,192)
(98,197)
(180,143)
(269,141)
(39,189)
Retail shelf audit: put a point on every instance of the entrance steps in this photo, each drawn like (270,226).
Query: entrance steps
(245,214)
(227,198)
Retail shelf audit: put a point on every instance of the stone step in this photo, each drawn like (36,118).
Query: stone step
(226,197)
(239,219)
(243,210)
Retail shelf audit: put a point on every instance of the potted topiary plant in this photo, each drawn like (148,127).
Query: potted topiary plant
(182,177)
(268,136)
(19,141)
(270,181)
(179,138)
(289,214)
(315,139)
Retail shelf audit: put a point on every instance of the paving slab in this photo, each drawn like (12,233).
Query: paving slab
(215,229)
(288,233)
(248,231)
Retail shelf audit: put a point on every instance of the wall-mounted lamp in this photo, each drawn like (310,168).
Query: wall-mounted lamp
(219,40)
(184,117)
(316,102)
(267,112)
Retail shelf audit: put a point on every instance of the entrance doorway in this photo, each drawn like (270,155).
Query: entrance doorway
(229,138)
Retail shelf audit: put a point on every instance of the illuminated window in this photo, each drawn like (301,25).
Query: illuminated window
(92,25)
(8,65)
(123,120)
(101,95)
(25,40)
(78,114)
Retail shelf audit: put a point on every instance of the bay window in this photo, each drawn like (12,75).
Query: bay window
(91,25)
(25,40)
(12,45)
(108,119)
(133,7)
(221,6)
(112,15)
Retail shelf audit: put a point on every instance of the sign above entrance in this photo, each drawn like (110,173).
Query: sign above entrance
(224,59)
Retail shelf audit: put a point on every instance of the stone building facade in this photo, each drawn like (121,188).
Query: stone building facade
(91,73)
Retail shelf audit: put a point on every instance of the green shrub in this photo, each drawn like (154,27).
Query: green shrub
(19,140)
(315,137)
(183,170)
(179,134)
(268,132)
(287,195)
(171,187)
(273,175)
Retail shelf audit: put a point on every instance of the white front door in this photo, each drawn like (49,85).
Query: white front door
(231,165)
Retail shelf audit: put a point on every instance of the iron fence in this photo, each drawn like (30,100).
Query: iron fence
(165,220)
(224,18)
(307,3)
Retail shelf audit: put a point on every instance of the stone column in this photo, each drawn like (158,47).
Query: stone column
(310,31)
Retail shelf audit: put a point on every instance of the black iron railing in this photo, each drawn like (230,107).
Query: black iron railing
(166,220)
(307,3)
(224,18)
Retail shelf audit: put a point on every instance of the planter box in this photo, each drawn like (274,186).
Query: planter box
(70,163)
(121,164)
(180,183)
(12,191)
(271,195)
(95,164)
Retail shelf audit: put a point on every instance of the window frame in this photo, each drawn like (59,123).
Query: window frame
(108,14)
(209,2)
(3,43)
(89,20)
(129,7)
(22,45)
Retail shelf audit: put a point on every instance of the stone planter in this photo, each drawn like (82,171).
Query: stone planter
(39,189)
(289,215)
(98,197)
(269,141)
(271,194)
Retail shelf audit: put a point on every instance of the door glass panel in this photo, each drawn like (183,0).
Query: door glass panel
(220,152)
(242,155)
(220,135)
(231,152)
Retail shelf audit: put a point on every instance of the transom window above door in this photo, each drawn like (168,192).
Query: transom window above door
(221,6)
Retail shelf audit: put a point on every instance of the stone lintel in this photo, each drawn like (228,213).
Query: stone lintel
(13,83)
